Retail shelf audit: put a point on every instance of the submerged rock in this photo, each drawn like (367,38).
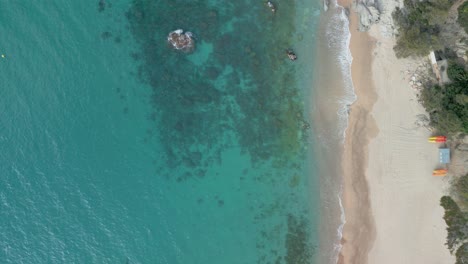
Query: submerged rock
(181,41)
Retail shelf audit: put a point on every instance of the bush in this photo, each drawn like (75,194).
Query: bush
(457,73)
(460,188)
(462,254)
(414,42)
(463,16)
(457,224)
(448,105)
(419,26)
(457,220)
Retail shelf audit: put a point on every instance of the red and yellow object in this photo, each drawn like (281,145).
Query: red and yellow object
(440,172)
(438,139)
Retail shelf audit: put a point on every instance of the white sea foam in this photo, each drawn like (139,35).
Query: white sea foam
(339,234)
(338,39)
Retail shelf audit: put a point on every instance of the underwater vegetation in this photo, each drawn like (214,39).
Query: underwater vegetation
(236,89)
(299,249)
(232,97)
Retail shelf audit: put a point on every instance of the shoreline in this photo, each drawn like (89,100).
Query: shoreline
(390,198)
(358,231)
(330,100)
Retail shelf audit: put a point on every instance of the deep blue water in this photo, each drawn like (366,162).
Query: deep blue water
(117,149)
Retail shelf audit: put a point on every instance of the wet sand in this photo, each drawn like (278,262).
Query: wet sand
(330,100)
(359,230)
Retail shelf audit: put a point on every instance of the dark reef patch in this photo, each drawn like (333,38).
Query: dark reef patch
(106,35)
(190,98)
(298,246)
(101,5)
(243,93)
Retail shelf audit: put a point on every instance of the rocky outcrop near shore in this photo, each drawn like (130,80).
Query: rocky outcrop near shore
(372,12)
(369,12)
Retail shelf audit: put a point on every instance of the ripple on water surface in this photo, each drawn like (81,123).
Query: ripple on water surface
(221,174)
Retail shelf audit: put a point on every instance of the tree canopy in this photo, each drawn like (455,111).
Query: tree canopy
(448,105)
(463,16)
(457,219)
(419,26)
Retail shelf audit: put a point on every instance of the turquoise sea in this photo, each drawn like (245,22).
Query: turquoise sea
(117,149)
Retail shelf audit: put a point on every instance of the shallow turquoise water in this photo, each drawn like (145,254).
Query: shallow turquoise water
(117,149)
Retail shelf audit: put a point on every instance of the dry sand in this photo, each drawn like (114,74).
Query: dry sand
(404,194)
(390,197)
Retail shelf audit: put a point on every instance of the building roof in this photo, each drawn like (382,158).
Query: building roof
(444,155)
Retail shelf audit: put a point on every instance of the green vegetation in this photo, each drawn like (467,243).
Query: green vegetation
(457,220)
(462,254)
(456,223)
(419,26)
(463,16)
(460,192)
(448,105)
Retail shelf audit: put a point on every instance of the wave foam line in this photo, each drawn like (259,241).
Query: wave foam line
(339,233)
(339,38)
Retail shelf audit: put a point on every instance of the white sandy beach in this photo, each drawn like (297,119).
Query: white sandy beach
(404,195)
(391,198)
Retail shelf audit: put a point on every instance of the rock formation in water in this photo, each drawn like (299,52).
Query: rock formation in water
(181,41)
